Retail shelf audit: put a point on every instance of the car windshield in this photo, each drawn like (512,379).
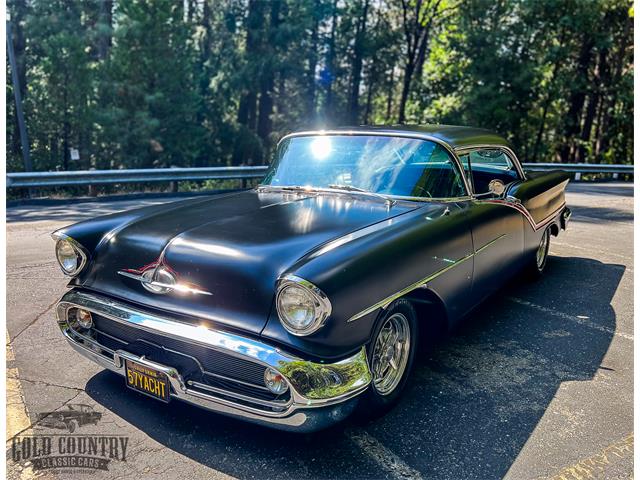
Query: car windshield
(385,165)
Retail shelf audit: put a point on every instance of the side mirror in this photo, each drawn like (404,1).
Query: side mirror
(497,187)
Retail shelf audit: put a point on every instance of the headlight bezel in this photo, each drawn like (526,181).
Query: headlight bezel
(82,255)
(322,305)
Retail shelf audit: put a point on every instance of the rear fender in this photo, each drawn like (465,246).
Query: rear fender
(542,194)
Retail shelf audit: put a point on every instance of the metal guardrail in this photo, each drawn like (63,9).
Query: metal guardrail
(579,167)
(148,175)
(144,175)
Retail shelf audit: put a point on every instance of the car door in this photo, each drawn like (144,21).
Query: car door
(497,228)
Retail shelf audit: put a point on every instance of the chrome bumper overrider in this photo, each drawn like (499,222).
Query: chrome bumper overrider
(321,394)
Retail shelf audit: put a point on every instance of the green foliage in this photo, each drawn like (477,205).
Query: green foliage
(142,83)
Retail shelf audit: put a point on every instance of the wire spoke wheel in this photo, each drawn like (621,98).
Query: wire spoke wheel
(390,353)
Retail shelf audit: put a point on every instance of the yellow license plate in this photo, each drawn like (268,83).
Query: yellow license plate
(147,380)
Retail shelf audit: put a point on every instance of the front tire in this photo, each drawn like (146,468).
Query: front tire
(390,354)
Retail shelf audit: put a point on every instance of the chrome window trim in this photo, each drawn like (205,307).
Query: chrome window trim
(374,133)
(324,304)
(463,150)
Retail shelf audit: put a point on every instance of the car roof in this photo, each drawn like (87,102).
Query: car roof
(457,137)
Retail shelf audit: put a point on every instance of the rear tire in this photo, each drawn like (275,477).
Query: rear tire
(390,354)
(537,264)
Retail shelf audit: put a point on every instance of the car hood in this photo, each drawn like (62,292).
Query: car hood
(229,249)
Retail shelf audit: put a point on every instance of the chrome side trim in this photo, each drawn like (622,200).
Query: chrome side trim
(384,303)
(325,384)
(487,245)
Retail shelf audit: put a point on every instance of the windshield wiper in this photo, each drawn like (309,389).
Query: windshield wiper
(351,188)
(288,188)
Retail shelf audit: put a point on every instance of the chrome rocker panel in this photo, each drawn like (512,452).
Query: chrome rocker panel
(329,397)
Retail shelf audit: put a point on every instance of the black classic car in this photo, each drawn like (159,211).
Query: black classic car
(74,416)
(294,303)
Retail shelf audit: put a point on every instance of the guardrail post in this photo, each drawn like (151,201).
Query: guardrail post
(92,190)
(173,186)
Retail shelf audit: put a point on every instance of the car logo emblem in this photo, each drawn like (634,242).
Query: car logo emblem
(160,279)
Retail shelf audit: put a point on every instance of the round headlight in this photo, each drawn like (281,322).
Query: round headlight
(67,256)
(70,255)
(301,306)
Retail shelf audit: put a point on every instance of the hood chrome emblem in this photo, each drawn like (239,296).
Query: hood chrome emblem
(160,279)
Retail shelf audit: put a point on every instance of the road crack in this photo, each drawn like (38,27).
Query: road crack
(38,317)
(48,384)
(33,424)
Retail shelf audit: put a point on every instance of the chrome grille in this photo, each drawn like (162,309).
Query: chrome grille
(212,361)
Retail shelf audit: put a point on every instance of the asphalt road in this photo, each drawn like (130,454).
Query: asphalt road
(537,384)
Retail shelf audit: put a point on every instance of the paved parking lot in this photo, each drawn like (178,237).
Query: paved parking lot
(538,383)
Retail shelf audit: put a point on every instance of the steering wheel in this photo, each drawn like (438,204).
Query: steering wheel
(424,192)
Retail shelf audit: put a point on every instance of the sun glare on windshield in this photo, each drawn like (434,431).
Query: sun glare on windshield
(321,147)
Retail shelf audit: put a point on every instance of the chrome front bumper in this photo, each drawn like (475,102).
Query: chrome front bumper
(320,394)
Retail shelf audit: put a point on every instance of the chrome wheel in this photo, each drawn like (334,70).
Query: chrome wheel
(390,353)
(543,249)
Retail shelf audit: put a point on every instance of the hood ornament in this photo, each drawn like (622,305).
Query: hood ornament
(160,279)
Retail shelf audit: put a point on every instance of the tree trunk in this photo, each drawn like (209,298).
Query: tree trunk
(576,102)
(267,77)
(587,125)
(247,106)
(618,67)
(367,111)
(406,85)
(331,55)
(105,19)
(313,63)
(390,84)
(18,13)
(66,128)
(356,76)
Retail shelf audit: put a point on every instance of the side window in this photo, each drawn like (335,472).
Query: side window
(440,178)
(482,166)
